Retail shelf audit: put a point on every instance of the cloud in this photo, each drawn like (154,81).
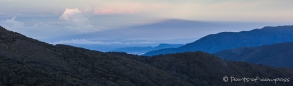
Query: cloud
(68,13)
(13,23)
(83,41)
(74,16)
(77,20)
(40,25)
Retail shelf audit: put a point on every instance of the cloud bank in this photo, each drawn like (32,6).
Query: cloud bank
(80,41)
(86,41)
(13,23)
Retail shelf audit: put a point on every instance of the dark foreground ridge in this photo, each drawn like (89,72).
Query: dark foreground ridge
(25,61)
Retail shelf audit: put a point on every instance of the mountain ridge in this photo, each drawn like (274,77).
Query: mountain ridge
(228,40)
(142,50)
(275,55)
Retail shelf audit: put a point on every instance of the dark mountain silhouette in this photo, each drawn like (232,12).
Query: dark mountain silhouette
(276,55)
(228,40)
(26,61)
(142,50)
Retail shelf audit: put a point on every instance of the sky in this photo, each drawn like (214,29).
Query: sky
(118,23)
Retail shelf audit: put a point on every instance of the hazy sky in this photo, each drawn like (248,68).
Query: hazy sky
(71,21)
(228,10)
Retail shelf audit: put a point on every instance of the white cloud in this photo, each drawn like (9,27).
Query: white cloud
(41,25)
(83,41)
(74,17)
(13,23)
(77,20)
(68,13)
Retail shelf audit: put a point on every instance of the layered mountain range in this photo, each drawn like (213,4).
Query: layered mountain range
(275,55)
(26,61)
(142,50)
(228,40)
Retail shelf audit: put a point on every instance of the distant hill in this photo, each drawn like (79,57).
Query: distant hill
(29,62)
(276,55)
(142,50)
(228,40)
